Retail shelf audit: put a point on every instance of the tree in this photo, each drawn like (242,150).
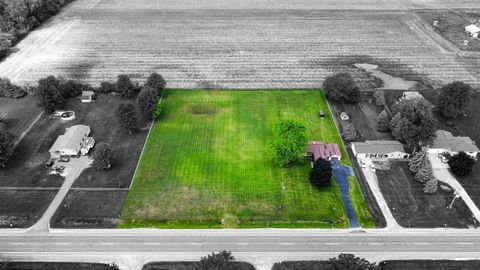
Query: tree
(5,43)
(125,87)
(416,122)
(147,102)
(418,160)
(217,261)
(424,174)
(349,132)
(321,173)
(289,142)
(6,146)
(341,88)
(157,82)
(113,266)
(8,89)
(461,164)
(382,121)
(431,186)
(103,156)
(125,113)
(49,95)
(350,262)
(106,87)
(454,98)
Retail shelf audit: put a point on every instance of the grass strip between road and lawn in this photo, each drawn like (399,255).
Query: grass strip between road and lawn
(206,165)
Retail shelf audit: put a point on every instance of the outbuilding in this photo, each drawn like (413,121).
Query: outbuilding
(408,95)
(473,29)
(379,150)
(317,149)
(87,96)
(70,143)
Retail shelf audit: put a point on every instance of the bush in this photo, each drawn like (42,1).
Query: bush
(454,98)
(158,110)
(217,261)
(349,132)
(341,88)
(321,173)
(147,102)
(103,156)
(289,142)
(461,164)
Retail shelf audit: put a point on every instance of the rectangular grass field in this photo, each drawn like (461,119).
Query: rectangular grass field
(206,165)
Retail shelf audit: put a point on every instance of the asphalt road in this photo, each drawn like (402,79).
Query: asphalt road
(131,245)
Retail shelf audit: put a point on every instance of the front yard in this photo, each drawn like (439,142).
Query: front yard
(206,165)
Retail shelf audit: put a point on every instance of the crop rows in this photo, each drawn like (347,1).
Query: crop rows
(231,49)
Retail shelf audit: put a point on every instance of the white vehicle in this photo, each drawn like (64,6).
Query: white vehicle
(344,116)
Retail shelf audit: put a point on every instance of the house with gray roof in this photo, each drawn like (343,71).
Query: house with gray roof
(379,150)
(445,142)
(72,142)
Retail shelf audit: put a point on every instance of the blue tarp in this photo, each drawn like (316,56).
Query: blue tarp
(341,174)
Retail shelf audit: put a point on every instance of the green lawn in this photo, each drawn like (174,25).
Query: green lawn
(206,161)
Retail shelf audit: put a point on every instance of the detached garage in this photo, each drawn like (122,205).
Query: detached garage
(70,143)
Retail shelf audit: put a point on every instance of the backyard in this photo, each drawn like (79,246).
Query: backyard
(206,165)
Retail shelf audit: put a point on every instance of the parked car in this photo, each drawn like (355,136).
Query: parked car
(363,164)
(59,168)
(49,163)
(344,116)
(56,115)
(64,159)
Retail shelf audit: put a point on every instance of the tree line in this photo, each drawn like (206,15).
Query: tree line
(19,17)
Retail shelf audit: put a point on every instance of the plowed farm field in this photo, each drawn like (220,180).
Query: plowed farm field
(243,45)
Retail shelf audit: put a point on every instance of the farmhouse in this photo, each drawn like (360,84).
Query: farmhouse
(473,29)
(87,96)
(317,149)
(379,150)
(446,142)
(74,141)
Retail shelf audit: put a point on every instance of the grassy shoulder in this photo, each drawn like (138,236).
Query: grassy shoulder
(360,205)
(206,164)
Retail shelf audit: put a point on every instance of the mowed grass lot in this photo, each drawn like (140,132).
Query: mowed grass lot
(206,161)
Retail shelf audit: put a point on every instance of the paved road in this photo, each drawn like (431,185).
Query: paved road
(260,247)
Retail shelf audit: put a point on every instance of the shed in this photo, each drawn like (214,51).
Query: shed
(70,143)
(408,95)
(87,96)
(318,149)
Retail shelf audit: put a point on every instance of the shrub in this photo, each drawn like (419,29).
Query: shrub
(349,261)
(341,88)
(349,132)
(158,110)
(289,142)
(461,164)
(106,87)
(217,261)
(8,89)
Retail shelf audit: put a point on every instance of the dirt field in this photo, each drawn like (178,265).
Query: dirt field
(21,208)
(412,208)
(96,40)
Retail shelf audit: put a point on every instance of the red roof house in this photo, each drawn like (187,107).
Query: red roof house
(318,150)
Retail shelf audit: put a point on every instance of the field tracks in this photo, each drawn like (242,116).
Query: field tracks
(85,4)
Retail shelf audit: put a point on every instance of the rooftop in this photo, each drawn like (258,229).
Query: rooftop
(72,138)
(323,151)
(378,147)
(445,139)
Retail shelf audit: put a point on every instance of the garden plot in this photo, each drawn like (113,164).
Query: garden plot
(229,48)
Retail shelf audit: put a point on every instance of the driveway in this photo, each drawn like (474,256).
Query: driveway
(372,181)
(73,169)
(341,174)
(442,173)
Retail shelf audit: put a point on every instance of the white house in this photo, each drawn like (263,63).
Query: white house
(87,96)
(446,142)
(379,150)
(70,143)
(473,29)
(411,95)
